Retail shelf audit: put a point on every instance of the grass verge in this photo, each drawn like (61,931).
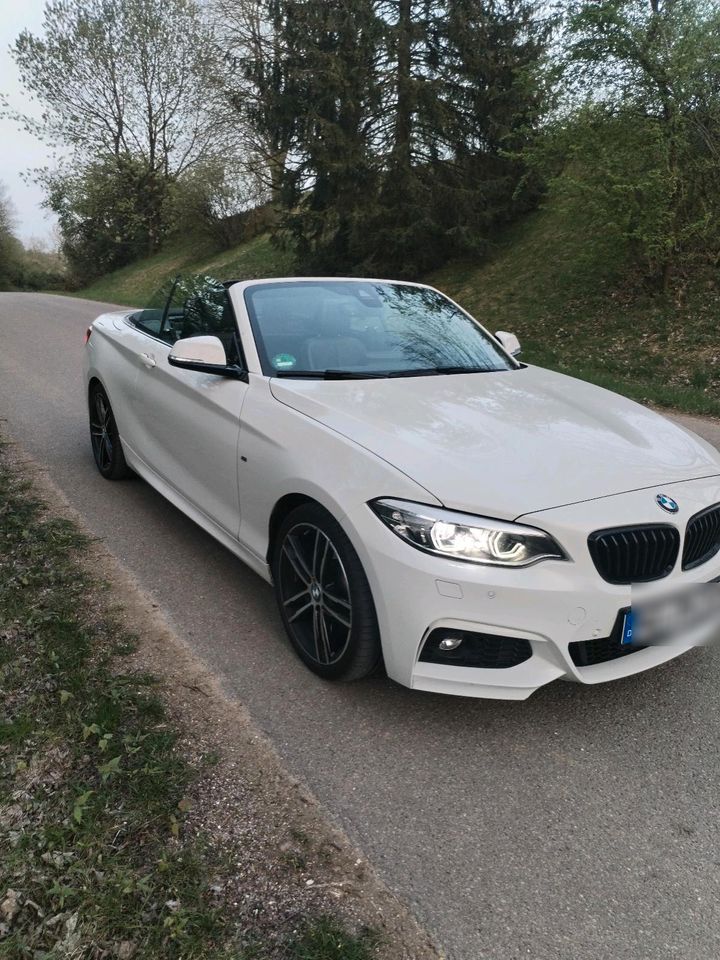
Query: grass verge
(571,299)
(95,859)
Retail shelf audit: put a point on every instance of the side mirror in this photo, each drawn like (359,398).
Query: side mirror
(204,355)
(510,342)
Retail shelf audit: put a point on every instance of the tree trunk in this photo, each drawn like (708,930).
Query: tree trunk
(276,175)
(404,108)
(666,275)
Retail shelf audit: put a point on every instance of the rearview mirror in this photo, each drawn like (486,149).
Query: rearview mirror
(204,355)
(510,342)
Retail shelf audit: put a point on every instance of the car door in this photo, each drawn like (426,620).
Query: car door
(189,422)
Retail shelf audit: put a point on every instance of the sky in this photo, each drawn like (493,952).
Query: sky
(19,151)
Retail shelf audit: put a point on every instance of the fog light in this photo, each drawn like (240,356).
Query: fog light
(466,648)
(450,643)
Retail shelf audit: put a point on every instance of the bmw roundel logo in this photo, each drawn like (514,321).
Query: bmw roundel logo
(666,503)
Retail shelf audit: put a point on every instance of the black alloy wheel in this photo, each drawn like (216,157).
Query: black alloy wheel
(324,597)
(105,439)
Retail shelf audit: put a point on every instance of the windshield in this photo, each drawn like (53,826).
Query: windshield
(362,328)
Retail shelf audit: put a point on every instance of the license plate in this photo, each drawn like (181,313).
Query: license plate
(626,637)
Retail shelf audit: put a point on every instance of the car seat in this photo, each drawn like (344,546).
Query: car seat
(333,346)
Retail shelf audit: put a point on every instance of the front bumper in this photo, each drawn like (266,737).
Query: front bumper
(551,604)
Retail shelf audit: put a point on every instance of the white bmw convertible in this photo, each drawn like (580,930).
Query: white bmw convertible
(417,496)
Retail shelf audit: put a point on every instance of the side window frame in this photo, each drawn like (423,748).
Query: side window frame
(241,359)
(135,319)
(166,310)
(162,335)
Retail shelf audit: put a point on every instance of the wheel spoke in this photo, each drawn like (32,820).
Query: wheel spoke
(324,637)
(314,566)
(291,551)
(335,615)
(299,612)
(323,560)
(107,450)
(302,593)
(320,635)
(333,599)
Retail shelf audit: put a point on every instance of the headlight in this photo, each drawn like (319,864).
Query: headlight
(463,537)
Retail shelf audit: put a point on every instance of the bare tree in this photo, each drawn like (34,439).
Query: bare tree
(125,79)
(256,82)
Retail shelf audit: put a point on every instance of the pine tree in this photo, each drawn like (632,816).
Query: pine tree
(406,116)
(464,101)
(489,104)
(331,187)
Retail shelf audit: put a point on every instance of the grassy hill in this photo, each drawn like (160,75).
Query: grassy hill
(136,283)
(565,292)
(570,299)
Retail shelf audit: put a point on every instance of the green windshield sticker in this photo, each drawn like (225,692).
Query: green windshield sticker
(283,361)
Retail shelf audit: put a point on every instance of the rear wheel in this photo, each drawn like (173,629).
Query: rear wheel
(105,439)
(324,596)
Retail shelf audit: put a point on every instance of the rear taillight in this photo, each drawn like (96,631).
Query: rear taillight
(87,333)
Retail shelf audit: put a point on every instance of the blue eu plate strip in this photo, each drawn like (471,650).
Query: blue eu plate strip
(627,629)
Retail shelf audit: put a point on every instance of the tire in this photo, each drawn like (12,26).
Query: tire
(324,597)
(105,439)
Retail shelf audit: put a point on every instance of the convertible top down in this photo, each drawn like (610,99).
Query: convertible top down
(418,496)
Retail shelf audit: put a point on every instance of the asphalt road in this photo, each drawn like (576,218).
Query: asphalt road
(579,825)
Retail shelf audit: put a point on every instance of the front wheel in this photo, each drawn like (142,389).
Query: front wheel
(324,596)
(105,439)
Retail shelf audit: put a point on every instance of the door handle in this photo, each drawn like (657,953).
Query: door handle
(147,360)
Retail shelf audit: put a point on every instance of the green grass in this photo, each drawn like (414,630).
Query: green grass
(576,308)
(94,861)
(567,292)
(135,284)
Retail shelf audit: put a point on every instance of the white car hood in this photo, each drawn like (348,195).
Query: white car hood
(508,443)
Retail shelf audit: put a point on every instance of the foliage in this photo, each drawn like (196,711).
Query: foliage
(102,213)
(124,86)
(220,205)
(641,148)
(41,268)
(382,136)
(258,84)
(122,78)
(21,268)
(136,283)
(10,246)
(329,189)
(390,122)
(466,93)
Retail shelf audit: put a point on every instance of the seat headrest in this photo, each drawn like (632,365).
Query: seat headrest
(334,319)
